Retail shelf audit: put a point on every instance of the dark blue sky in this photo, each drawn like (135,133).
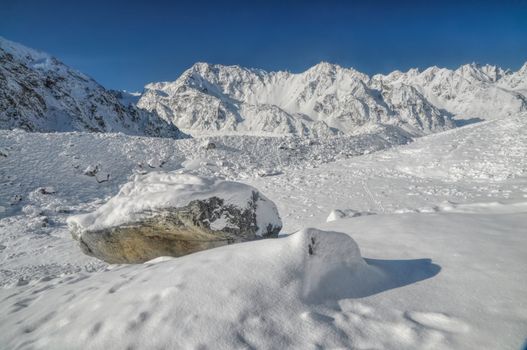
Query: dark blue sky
(126,44)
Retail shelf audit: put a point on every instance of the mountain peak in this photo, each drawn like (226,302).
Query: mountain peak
(324,66)
(523,69)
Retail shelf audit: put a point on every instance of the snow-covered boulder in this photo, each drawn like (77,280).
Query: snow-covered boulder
(174,214)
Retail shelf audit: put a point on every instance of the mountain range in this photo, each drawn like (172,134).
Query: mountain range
(329,99)
(40,93)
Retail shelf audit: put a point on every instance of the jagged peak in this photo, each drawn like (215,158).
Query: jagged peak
(478,67)
(324,66)
(327,68)
(205,67)
(413,71)
(487,72)
(523,69)
(435,69)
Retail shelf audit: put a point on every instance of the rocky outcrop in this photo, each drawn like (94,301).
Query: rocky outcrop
(216,214)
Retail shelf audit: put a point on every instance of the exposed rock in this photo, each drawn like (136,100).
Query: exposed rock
(46,190)
(209,145)
(167,214)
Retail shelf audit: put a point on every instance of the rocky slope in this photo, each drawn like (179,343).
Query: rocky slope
(328,99)
(40,93)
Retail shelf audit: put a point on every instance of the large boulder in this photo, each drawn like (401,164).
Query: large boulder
(174,214)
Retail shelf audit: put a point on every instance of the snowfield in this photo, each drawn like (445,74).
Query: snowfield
(436,281)
(425,249)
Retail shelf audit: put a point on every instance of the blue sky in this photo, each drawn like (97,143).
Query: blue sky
(126,44)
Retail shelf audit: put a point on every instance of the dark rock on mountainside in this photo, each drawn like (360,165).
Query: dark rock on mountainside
(40,93)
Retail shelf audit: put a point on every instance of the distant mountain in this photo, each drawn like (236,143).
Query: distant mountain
(328,99)
(471,91)
(40,93)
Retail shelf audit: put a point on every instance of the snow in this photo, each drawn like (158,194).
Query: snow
(324,101)
(147,194)
(397,297)
(37,59)
(441,265)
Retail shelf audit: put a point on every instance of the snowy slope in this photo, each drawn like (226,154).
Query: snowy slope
(516,80)
(441,261)
(117,157)
(482,162)
(40,93)
(325,100)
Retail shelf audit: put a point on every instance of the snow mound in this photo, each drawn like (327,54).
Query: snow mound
(333,266)
(147,194)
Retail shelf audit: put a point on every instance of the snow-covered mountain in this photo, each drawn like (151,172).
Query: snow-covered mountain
(40,93)
(471,91)
(325,100)
(329,99)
